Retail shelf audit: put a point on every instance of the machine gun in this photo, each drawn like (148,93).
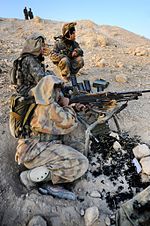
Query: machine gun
(105,104)
(82,93)
(103,98)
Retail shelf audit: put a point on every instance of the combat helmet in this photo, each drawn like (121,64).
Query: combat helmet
(66,27)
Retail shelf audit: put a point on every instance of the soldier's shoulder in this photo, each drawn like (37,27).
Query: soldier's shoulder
(27,55)
(27,58)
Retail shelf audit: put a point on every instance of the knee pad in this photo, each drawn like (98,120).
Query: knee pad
(39,174)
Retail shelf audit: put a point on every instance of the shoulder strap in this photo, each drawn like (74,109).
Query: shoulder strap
(28,114)
(20,58)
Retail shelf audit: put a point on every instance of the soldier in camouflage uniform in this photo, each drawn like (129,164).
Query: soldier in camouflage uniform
(32,68)
(67,54)
(44,153)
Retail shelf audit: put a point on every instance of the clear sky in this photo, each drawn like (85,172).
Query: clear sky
(133,15)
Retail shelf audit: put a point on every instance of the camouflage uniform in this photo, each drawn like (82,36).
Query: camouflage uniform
(51,122)
(61,55)
(31,65)
(135,212)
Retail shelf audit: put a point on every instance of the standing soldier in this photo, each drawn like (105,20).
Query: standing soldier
(25,11)
(30,14)
(66,53)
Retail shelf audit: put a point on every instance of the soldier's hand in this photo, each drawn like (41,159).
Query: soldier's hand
(46,50)
(78,106)
(74,53)
(63,101)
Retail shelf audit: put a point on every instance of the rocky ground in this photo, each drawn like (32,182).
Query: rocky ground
(111,53)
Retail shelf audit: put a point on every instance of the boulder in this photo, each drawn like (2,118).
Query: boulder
(141,150)
(37,221)
(145,162)
(91,215)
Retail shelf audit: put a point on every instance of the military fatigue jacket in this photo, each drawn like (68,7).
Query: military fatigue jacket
(49,117)
(32,71)
(64,47)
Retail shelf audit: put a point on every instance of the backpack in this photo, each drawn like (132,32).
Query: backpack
(16,75)
(21,110)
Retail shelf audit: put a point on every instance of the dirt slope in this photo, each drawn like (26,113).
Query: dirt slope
(112,53)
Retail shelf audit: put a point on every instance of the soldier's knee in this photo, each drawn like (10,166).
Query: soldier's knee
(64,61)
(80,61)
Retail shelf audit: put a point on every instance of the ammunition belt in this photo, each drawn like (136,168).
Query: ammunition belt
(43,137)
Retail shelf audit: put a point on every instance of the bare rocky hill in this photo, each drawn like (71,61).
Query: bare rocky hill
(111,53)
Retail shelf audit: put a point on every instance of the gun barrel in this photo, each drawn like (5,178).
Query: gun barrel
(135,92)
(146,91)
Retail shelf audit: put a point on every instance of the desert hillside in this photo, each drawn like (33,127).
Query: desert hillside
(111,53)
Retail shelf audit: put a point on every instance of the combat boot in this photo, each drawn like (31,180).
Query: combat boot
(30,178)
(26,181)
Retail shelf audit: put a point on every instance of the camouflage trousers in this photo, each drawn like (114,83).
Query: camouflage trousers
(70,66)
(64,162)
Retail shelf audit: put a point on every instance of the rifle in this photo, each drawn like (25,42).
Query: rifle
(105,104)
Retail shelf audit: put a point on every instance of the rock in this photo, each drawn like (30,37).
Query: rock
(37,19)
(145,162)
(101,63)
(119,64)
(140,51)
(95,194)
(141,150)
(145,178)
(37,221)
(116,145)
(107,221)
(102,40)
(91,215)
(82,212)
(122,78)
(115,135)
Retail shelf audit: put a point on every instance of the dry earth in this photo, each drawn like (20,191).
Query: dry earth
(112,53)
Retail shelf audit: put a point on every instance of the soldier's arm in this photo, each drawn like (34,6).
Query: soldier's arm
(78,49)
(64,117)
(57,53)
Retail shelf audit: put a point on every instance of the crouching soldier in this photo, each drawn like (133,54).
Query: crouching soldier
(43,153)
(66,53)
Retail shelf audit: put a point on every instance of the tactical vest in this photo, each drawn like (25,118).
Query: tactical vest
(16,75)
